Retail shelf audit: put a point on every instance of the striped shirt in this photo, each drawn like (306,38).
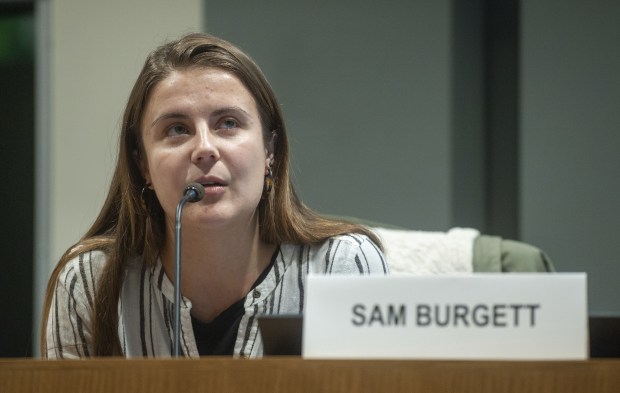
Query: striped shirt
(146,308)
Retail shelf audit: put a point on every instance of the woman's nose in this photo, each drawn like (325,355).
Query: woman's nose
(205,148)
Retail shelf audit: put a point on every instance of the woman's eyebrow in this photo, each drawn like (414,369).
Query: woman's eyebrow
(170,115)
(216,113)
(228,110)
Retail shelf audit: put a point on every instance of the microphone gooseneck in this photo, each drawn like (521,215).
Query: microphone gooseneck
(193,192)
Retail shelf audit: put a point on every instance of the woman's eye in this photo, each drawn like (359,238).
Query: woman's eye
(176,129)
(229,124)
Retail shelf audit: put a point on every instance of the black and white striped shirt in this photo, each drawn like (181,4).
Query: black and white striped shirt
(146,303)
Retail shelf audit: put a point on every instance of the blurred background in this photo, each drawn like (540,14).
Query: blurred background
(500,115)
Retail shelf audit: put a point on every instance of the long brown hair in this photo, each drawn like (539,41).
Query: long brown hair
(127,226)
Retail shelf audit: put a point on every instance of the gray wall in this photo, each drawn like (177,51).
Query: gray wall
(570,139)
(365,90)
(369,93)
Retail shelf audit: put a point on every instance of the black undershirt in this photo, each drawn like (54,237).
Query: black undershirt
(218,337)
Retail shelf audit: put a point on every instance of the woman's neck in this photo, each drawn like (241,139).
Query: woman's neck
(219,267)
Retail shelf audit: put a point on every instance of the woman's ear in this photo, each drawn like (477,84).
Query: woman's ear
(271,146)
(142,165)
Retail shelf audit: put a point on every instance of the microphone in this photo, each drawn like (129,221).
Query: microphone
(196,191)
(193,192)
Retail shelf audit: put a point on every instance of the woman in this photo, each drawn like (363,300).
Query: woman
(200,111)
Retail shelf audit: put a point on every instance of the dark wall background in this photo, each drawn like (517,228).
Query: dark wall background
(16,179)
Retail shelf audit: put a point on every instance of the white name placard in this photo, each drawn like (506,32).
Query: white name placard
(480,316)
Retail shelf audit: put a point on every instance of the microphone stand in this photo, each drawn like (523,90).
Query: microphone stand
(193,193)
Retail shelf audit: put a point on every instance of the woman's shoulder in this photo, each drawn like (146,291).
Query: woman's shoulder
(354,239)
(351,242)
(82,269)
(346,253)
(346,241)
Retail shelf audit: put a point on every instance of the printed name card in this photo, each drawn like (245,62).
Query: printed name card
(481,316)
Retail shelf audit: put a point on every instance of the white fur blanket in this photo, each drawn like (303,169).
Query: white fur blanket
(424,252)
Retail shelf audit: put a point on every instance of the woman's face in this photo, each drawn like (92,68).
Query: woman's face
(202,125)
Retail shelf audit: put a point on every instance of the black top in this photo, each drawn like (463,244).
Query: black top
(217,337)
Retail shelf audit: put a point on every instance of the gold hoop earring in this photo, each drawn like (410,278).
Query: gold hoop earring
(268,185)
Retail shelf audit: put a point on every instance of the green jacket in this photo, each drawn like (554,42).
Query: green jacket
(494,254)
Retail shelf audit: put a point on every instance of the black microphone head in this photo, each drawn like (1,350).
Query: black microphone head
(195,190)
